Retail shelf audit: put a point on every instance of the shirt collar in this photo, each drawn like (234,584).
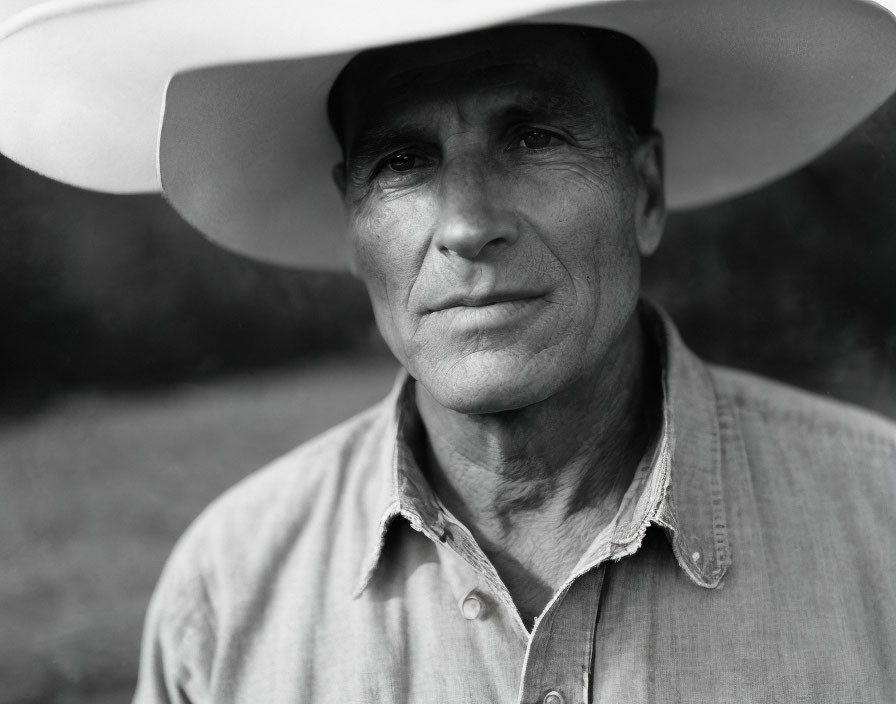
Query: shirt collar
(693,511)
(404,490)
(682,492)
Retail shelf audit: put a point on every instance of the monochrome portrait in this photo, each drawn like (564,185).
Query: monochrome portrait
(531,351)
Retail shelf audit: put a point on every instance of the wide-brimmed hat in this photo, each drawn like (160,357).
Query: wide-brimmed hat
(221,103)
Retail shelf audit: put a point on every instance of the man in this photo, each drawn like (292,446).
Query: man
(558,502)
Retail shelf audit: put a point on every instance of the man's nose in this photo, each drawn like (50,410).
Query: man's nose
(472,215)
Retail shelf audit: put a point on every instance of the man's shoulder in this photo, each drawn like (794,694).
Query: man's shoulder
(798,429)
(288,508)
(285,536)
(775,402)
(296,478)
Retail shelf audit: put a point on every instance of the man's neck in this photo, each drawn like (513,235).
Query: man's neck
(536,485)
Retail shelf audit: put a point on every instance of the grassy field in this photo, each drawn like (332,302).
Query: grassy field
(96,487)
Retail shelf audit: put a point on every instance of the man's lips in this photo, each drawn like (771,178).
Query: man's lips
(463,300)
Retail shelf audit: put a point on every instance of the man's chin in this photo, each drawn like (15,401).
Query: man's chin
(486,394)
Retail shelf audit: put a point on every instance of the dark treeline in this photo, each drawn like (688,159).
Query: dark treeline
(100,288)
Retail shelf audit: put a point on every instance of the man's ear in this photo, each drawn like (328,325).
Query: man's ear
(338,174)
(650,205)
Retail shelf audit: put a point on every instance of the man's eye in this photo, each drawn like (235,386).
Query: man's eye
(402,162)
(535,139)
(401,168)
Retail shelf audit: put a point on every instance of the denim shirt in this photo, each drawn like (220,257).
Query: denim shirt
(753,559)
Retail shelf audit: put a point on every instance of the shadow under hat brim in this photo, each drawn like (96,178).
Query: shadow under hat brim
(748,91)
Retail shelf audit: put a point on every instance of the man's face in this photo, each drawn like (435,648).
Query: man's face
(497,212)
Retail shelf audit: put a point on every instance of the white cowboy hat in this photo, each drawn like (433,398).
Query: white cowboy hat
(221,103)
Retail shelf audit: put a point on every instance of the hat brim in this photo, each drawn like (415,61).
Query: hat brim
(748,91)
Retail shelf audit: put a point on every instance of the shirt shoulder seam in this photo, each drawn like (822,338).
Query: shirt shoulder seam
(776,402)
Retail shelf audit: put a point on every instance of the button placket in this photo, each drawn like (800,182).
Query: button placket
(461,543)
(560,653)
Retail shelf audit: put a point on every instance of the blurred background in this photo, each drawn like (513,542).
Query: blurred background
(143,371)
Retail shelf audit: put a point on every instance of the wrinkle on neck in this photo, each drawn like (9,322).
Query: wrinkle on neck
(543,464)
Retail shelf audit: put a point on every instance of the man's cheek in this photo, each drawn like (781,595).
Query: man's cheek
(389,277)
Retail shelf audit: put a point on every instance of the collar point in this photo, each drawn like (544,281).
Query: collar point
(364,579)
(709,576)
(704,570)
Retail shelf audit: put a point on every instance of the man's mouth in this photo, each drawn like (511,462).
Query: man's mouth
(505,310)
(485,300)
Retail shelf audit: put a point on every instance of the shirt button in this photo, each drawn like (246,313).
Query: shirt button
(471,606)
(554,698)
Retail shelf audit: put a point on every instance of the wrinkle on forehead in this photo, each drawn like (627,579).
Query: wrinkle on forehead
(555,67)
(387,124)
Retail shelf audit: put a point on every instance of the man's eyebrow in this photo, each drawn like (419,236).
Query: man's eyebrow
(375,139)
(571,105)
